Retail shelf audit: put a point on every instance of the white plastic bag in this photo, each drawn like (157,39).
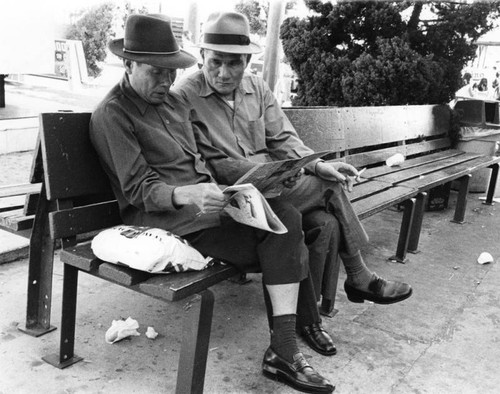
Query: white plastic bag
(147,249)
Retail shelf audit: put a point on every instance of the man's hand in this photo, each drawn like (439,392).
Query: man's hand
(206,196)
(337,172)
(292,181)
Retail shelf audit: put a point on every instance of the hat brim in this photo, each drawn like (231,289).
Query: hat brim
(239,49)
(181,59)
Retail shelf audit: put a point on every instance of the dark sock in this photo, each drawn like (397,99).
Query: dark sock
(358,274)
(283,340)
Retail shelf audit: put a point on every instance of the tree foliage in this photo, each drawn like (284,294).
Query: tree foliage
(257,13)
(94,29)
(357,53)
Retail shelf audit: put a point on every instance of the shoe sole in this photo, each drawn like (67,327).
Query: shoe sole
(274,374)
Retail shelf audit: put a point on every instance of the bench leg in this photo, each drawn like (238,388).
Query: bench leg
(417,223)
(41,258)
(195,341)
(66,356)
(493,183)
(462,200)
(404,232)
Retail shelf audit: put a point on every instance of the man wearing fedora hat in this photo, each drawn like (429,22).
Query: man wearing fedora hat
(147,139)
(245,121)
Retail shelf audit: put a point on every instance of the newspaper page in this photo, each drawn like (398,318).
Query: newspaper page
(248,206)
(268,177)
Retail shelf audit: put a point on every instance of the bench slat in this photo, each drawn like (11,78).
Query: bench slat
(450,173)
(385,199)
(78,220)
(417,161)
(378,156)
(81,257)
(20,189)
(11,203)
(367,188)
(16,220)
(122,275)
(167,287)
(175,287)
(66,147)
(319,127)
(428,168)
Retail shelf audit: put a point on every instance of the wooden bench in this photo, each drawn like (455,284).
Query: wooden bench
(72,206)
(367,136)
(17,207)
(18,202)
(76,202)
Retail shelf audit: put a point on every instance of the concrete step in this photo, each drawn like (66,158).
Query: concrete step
(12,247)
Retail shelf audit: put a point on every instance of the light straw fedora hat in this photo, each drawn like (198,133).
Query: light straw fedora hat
(228,32)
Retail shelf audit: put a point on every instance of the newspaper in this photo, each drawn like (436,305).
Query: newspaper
(268,177)
(248,206)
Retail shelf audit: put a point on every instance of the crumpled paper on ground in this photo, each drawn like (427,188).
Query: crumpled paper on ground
(485,258)
(121,329)
(151,333)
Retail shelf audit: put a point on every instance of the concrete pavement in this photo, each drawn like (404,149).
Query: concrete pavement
(444,339)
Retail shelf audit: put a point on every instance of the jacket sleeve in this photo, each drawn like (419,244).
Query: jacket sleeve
(112,134)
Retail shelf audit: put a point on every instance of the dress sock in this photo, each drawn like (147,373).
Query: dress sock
(358,274)
(283,340)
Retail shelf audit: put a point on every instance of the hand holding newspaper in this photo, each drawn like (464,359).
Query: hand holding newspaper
(268,177)
(247,203)
(248,206)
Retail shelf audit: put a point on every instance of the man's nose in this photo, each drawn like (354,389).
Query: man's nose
(224,71)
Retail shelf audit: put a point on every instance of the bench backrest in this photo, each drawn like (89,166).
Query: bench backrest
(73,177)
(369,135)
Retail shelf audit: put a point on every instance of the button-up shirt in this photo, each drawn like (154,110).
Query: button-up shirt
(255,127)
(148,150)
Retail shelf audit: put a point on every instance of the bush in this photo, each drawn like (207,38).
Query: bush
(94,29)
(365,53)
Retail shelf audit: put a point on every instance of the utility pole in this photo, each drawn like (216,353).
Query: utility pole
(272,51)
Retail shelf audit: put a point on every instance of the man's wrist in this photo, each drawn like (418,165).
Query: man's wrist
(316,166)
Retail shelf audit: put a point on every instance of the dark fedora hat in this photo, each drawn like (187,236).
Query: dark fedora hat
(149,39)
(228,32)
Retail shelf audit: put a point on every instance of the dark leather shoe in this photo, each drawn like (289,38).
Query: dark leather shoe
(380,291)
(299,374)
(318,339)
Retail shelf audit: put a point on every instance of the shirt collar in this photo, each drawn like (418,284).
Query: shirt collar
(206,90)
(132,95)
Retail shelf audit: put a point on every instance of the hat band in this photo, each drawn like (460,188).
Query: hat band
(150,53)
(226,39)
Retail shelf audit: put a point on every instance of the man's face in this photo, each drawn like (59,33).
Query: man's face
(150,83)
(224,71)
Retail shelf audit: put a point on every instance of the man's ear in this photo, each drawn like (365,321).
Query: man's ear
(128,65)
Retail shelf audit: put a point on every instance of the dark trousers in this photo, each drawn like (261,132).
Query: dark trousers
(282,258)
(322,237)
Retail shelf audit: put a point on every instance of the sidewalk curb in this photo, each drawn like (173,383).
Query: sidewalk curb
(13,255)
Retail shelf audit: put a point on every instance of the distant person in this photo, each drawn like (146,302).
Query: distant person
(496,87)
(483,85)
(466,90)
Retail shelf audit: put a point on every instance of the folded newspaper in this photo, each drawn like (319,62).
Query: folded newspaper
(268,177)
(248,206)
